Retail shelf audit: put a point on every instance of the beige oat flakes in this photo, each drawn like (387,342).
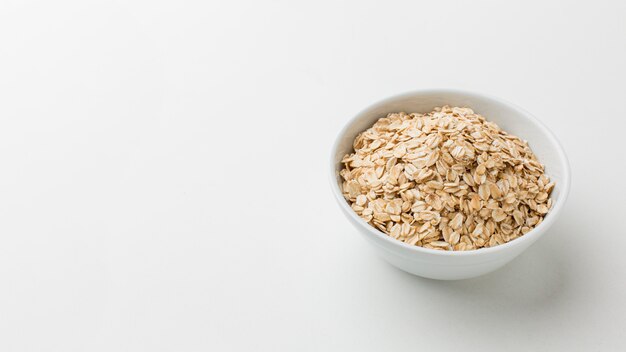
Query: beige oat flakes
(446,180)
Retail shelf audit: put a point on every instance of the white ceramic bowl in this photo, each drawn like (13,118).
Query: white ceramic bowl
(451,265)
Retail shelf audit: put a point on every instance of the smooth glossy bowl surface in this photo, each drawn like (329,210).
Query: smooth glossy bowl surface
(451,265)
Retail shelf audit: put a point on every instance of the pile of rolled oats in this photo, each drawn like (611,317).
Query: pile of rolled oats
(447,180)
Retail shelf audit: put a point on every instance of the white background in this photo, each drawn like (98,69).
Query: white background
(163,181)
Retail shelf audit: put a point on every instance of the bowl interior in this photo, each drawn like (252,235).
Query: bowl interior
(509,117)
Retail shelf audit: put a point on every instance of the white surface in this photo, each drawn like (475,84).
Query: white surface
(454,265)
(164,175)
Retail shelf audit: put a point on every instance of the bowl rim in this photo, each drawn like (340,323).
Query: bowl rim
(532,235)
